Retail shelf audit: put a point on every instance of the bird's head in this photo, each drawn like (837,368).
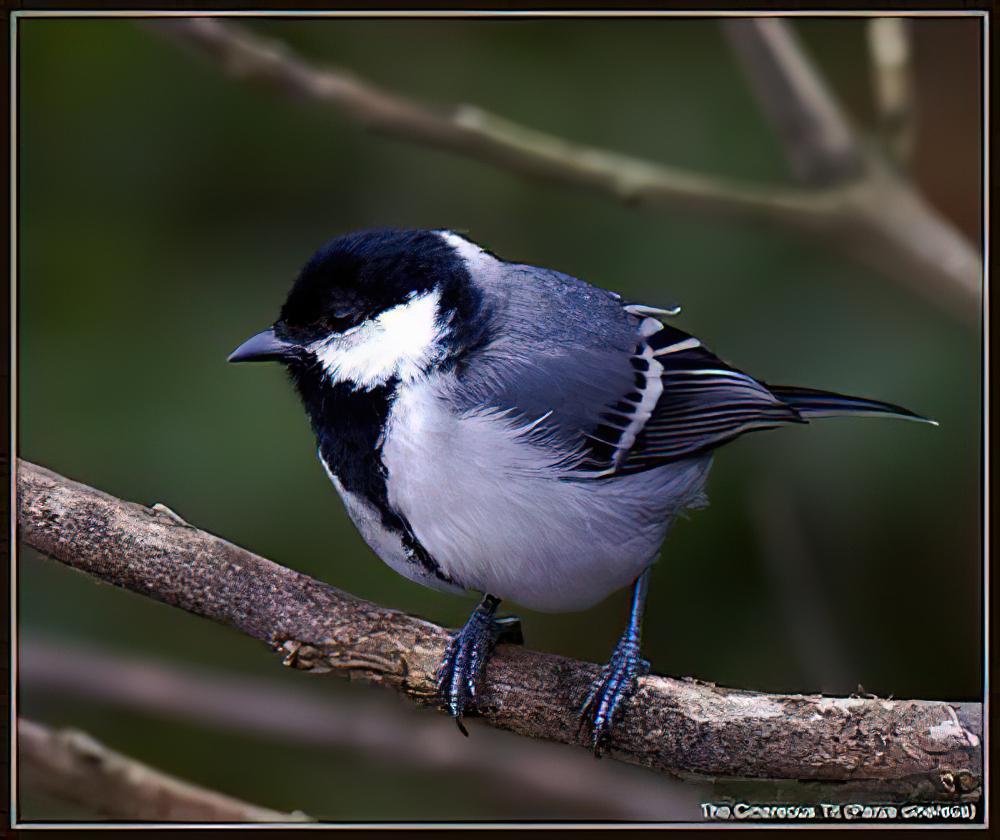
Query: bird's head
(374,307)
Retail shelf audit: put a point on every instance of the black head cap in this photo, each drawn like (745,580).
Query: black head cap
(359,275)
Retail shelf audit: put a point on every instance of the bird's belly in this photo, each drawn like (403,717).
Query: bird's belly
(484,506)
(536,546)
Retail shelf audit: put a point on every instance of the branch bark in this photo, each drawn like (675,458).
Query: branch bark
(902,748)
(71,766)
(876,219)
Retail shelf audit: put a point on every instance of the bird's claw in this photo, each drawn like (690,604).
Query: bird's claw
(468,651)
(614,686)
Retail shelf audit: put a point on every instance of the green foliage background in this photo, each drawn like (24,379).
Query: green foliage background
(165,209)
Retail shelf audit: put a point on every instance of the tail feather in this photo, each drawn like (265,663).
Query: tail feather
(812,403)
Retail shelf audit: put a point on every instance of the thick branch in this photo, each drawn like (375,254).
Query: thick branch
(947,270)
(519,769)
(71,766)
(900,747)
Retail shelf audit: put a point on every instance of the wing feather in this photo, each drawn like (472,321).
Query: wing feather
(607,383)
(704,402)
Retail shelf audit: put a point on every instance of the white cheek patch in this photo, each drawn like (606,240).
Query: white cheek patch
(401,342)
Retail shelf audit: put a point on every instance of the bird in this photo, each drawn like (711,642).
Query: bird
(509,430)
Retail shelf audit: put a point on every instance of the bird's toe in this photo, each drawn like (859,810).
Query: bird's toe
(612,688)
(462,666)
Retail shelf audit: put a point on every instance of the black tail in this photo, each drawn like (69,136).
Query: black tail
(812,403)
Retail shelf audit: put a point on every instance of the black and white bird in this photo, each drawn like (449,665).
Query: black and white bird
(510,430)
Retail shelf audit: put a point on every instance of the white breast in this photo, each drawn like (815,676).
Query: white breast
(384,542)
(492,508)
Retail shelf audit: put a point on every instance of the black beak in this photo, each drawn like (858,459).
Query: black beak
(263,347)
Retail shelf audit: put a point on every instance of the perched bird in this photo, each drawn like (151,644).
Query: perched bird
(511,430)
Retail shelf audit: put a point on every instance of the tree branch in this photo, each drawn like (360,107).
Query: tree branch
(469,130)
(849,216)
(71,766)
(885,222)
(899,747)
(522,770)
(818,142)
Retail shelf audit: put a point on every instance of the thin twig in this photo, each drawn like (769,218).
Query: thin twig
(889,43)
(519,769)
(792,580)
(71,766)
(849,217)
(898,747)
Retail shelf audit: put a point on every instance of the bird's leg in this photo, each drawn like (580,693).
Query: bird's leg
(617,680)
(463,663)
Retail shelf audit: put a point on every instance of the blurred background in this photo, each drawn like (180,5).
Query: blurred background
(164,211)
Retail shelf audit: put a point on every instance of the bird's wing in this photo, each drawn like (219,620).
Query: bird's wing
(555,394)
(643,395)
(690,401)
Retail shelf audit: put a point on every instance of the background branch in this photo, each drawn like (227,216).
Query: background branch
(898,747)
(471,131)
(890,46)
(876,219)
(885,222)
(523,770)
(813,131)
(71,766)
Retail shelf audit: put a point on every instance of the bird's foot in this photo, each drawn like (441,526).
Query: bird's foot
(468,651)
(614,686)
